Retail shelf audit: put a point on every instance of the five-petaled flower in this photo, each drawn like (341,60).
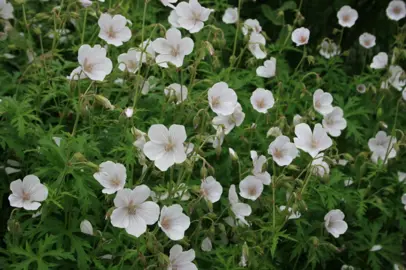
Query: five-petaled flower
(111,176)
(28,193)
(113,29)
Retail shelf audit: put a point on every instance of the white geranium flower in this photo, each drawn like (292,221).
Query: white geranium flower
(274,132)
(251,25)
(300,36)
(334,222)
(218,140)
(251,187)
(262,100)
(76,74)
(334,122)
(297,119)
(6,10)
(86,227)
(147,50)
(57,140)
(149,84)
(211,189)
(404,200)
(379,61)
(347,267)
(293,215)
(268,70)
(132,211)
(129,112)
(311,142)
(166,146)
(28,193)
(86,3)
(169,3)
(230,15)
(240,210)
(130,61)
(367,40)
(361,88)
(401,176)
(93,63)
(375,248)
(396,10)
(172,49)
(177,92)
(111,176)
(329,49)
(173,19)
(113,29)
(140,138)
(206,244)
(192,15)
(282,150)
(347,16)
(322,102)
(348,182)
(181,260)
(173,222)
(381,146)
(397,78)
(230,121)
(222,99)
(320,167)
(259,170)
(254,45)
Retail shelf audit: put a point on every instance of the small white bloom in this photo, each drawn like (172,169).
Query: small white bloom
(251,25)
(173,48)
(300,36)
(259,170)
(381,146)
(206,244)
(173,19)
(401,176)
(176,91)
(129,112)
(312,142)
(293,215)
(93,62)
(367,40)
(28,193)
(130,61)
(268,69)
(86,3)
(254,45)
(218,139)
(222,99)
(262,100)
(230,15)
(282,150)
(233,154)
(230,121)
(10,170)
(320,167)
(348,182)
(251,188)
(342,162)
(211,189)
(173,222)
(57,140)
(133,212)
(192,15)
(334,222)
(274,132)
(165,147)
(86,227)
(111,176)
(329,49)
(182,260)
(119,81)
(347,267)
(244,256)
(140,138)
(297,119)
(347,16)
(396,10)
(6,10)
(397,78)
(322,102)
(149,84)
(113,29)
(375,248)
(334,122)
(361,88)
(379,61)
(240,210)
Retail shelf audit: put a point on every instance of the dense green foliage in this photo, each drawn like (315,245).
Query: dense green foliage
(39,103)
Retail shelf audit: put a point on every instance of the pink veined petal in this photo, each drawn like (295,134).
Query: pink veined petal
(119,217)
(83,53)
(197,27)
(186,45)
(165,161)
(183,9)
(104,21)
(263,72)
(119,22)
(39,193)
(187,23)
(177,133)
(241,209)
(124,35)
(186,256)
(178,60)
(232,195)
(173,36)
(30,182)
(303,132)
(29,205)
(175,251)
(161,45)
(136,225)
(163,59)
(158,133)
(17,187)
(187,266)
(15,201)
(154,151)
(140,194)
(123,198)
(149,212)
(179,153)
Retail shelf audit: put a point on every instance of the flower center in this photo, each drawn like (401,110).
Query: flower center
(252,191)
(278,153)
(314,143)
(132,208)
(196,16)
(26,196)
(367,42)
(215,101)
(111,33)
(261,103)
(329,121)
(346,18)
(131,64)
(303,39)
(175,51)
(396,10)
(165,223)
(115,182)
(169,146)
(318,104)
(88,67)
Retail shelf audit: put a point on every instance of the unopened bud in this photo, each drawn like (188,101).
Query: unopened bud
(233,154)
(104,101)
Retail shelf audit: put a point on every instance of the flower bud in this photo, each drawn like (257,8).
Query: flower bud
(104,101)
(233,154)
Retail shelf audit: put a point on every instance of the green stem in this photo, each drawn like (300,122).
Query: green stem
(84,27)
(301,60)
(236,31)
(341,37)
